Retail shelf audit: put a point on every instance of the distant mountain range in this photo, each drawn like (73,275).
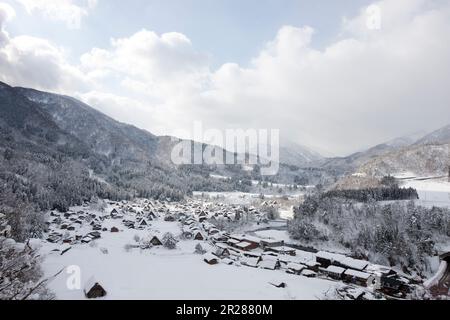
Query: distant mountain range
(419,155)
(58,150)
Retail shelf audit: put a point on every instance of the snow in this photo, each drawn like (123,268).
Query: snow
(431,192)
(330,256)
(335,270)
(159,273)
(439,274)
(280,235)
(295,266)
(354,263)
(357,274)
(287,214)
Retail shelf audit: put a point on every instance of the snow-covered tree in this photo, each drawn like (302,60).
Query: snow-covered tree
(169,241)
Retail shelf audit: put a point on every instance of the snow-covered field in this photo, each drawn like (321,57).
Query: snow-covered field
(158,273)
(431,192)
(275,234)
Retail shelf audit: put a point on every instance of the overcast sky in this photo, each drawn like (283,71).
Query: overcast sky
(313,69)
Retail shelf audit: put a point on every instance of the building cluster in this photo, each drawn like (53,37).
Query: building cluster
(202,222)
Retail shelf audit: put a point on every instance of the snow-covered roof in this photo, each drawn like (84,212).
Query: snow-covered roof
(209,256)
(227,261)
(234,241)
(357,274)
(306,272)
(330,256)
(271,241)
(335,270)
(378,269)
(295,266)
(90,283)
(268,264)
(243,244)
(221,245)
(250,261)
(354,263)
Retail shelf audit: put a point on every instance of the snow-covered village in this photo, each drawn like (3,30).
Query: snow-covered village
(225,152)
(207,248)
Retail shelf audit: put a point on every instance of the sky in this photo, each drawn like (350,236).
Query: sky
(336,76)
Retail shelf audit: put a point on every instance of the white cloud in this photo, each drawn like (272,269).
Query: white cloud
(71,12)
(6,14)
(37,63)
(363,88)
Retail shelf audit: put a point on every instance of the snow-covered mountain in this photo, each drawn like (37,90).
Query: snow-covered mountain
(420,160)
(419,154)
(295,154)
(439,136)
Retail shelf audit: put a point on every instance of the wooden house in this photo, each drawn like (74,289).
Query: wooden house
(351,263)
(295,268)
(246,246)
(155,241)
(198,235)
(250,261)
(282,250)
(268,243)
(209,258)
(93,289)
(333,272)
(308,273)
(358,277)
(327,258)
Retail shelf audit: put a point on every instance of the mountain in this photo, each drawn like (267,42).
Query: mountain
(421,160)
(439,136)
(350,164)
(102,134)
(420,155)
(56,151)
(292,153)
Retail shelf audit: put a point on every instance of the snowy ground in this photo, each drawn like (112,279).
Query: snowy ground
(159,273)
(243,198)
(275,234)
(431,192)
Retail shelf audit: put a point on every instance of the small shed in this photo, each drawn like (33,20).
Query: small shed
(211,259)
(198,236)
(155,241)
(295,268)
(93,289)
(250,261)
(246,245)
(308,273)
(282,250)
(169,218)
(267,243)
(269,263)
(142,223)
(222,250)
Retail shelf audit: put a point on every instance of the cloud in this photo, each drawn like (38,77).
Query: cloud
(6,13)
(154,65)
(36,62)
(365,87)
(71,12)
